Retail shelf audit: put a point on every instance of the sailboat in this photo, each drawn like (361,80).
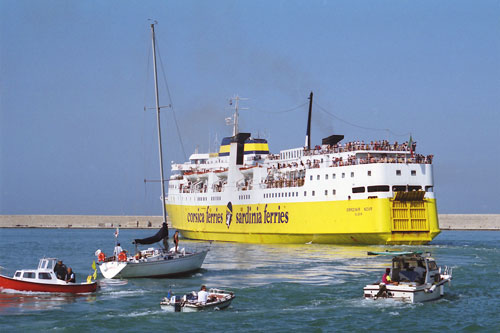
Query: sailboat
(152,262)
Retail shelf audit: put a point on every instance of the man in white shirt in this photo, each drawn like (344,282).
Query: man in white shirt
(118,250)
(203,295)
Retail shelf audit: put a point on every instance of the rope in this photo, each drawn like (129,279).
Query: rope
(283,111)
(171,103)
(358,126)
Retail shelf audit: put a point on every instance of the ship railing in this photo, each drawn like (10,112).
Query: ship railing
(417,159)
(383,145)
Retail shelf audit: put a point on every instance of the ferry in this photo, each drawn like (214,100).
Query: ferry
(336,193)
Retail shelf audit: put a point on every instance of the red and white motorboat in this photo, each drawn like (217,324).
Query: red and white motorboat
(43,279)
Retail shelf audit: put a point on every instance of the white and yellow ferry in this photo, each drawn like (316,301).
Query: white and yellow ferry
(340,193)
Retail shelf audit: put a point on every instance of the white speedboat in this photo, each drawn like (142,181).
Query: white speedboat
(415,278)
(217,300)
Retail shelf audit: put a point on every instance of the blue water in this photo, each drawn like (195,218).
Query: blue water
(278,288)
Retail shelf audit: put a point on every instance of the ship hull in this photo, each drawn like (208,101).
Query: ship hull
(365,221)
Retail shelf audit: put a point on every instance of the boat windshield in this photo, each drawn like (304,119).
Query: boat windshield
(47,263)
(432,265)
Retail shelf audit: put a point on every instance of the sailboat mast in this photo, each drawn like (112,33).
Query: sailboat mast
(159,129)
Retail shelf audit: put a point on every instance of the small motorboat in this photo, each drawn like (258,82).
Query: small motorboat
(43,279)
(217,300)
(415,277)
(152,262)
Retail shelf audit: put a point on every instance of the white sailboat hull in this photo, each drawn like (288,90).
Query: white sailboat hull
(153,268)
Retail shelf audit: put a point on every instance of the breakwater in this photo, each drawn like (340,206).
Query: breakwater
(80,221)
(446,221)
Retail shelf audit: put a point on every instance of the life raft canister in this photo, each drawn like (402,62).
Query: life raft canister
(101,256)
(122,256)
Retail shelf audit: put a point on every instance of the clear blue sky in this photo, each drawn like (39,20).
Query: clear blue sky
(76,75)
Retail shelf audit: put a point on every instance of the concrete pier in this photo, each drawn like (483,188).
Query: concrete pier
(446,221)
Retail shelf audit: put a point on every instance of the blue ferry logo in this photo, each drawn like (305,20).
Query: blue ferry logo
(229,213)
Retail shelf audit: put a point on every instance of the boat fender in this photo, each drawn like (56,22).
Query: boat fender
(101,256)
(431,289)
(122,256)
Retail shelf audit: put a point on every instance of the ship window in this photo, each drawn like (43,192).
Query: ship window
(318,177)
(343,175)
(44,276)
(313,193)
(333,176)
(18,274)
(305,193)
(414,188)
(398,172)
(326,176)
(285,194)
(399,188)
(311,178)
(29,275)
(326,192)
(334,192)
(379,188)
(369,173)
(413,172)
(429,189)
(352,174)
(360,189)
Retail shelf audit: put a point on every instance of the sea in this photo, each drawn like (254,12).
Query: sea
(278,288)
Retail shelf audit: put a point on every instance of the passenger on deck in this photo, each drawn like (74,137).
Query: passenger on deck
(70,276)
(118,249)
(203,295)
(176,241)
(60,270)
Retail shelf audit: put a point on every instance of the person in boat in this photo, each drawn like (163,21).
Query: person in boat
(70,276)
(386,278)
(176,241)
(118,249)
(203,295)
(420,270)
(60,270)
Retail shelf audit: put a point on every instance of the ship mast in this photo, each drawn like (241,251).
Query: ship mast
(237,100)
(308,132)
(162,177)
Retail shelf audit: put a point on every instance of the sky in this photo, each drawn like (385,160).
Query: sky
(76,77)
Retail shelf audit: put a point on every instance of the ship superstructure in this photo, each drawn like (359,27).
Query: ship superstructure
(344,193)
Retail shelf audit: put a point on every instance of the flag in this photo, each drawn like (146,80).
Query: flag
(95,274)
(89,278)
(117,232)
(410,144)
(93,265)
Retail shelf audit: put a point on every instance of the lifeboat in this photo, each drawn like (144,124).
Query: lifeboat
(247,170)
(222,173)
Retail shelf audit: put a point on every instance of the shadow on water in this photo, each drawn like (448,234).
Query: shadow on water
(14,302)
